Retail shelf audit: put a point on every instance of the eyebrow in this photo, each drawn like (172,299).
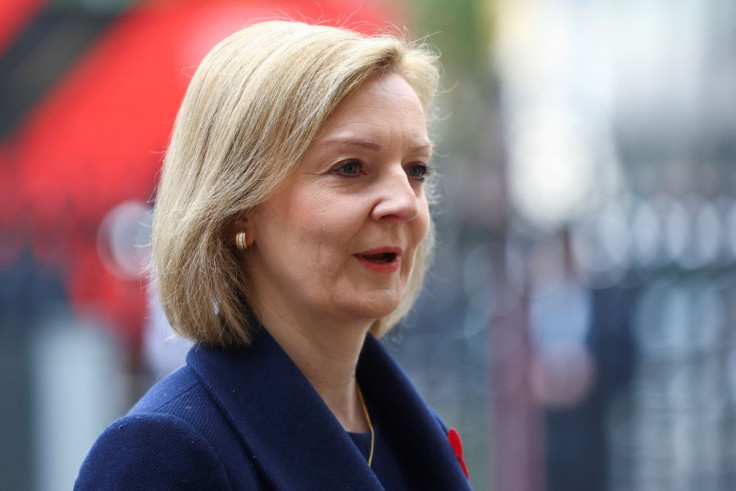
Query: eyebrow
(372,145)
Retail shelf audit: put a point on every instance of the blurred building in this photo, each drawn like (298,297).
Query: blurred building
(619,126)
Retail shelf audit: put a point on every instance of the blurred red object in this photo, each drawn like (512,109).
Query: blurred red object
(97,139)
(14,14)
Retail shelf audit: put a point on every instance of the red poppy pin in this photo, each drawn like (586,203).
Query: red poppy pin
(457,446)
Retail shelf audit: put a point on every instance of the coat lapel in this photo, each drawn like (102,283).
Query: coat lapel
(295,441)
(420,440)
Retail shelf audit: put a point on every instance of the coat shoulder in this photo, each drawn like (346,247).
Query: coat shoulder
(175,437)
(151,451)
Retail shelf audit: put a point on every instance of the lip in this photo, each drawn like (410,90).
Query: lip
(389,267)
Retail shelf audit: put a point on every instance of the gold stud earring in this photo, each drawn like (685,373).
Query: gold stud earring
(240,242)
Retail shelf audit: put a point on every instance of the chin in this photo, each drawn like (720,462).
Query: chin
(381,309)
(372,309)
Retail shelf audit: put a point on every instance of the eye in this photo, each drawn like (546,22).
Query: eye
(350,167)
(418,171)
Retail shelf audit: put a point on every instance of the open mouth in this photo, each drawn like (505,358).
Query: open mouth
(381,258)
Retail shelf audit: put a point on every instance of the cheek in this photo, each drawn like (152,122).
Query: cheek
(422,222)
(419,230)
(332,216)
(323,229)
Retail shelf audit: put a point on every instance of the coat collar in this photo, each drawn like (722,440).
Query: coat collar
(292,435)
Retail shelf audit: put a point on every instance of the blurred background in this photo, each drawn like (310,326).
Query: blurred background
(578,326)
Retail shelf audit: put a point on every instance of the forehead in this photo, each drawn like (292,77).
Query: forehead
(383,104)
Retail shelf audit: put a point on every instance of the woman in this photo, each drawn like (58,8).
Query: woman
(291,229)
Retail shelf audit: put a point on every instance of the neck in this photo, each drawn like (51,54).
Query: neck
(327,356)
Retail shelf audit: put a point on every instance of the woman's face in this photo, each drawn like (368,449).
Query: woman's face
(338,241)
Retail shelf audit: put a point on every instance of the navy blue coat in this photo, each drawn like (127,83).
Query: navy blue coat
(247,419)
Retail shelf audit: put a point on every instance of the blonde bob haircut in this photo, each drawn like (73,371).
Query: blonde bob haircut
(252,108)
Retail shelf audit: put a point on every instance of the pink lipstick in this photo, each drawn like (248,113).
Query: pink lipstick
(383,260)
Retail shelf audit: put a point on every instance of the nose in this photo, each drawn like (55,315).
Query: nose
(397,199)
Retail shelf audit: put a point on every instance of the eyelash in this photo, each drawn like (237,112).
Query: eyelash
(426,170)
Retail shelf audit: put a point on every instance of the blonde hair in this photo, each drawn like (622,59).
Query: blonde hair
(253,107)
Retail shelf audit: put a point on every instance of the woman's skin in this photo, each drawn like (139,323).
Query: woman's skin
(332,251)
